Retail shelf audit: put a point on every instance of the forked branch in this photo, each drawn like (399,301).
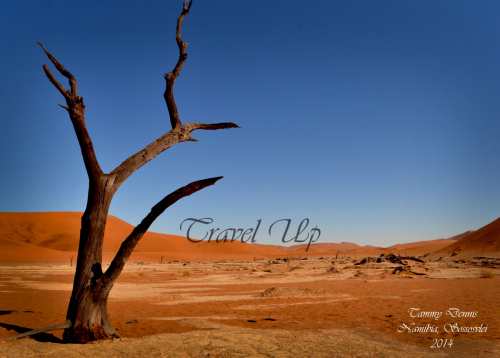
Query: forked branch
(128,246)
(172,76)
(64,72)
(76,110)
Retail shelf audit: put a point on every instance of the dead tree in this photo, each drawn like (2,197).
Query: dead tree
(161,259)
(87,315)
(71,258)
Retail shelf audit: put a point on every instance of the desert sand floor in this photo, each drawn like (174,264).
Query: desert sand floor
(261,309)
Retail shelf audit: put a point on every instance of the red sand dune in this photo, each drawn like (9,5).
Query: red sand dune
(53,236)
(417,248)
(444,242)
(14,251)
(483,242)
(420,247)
(459,236)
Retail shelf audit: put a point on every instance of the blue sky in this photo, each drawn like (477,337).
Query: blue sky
(377,120)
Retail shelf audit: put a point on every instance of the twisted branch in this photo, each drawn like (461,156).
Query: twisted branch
(172,76)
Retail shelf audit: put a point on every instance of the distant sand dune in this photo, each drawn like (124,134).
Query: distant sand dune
(483,242)
(54,236)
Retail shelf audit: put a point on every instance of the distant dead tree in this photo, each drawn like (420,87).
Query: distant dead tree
(71,258)
(161,259)
(87,315)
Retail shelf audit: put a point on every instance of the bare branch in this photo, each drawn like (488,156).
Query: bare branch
(64,72)
(180,134)
(134,162)
(182,45)
(172,76)
(76,110)
(128,246)
(65,324)
(92,166)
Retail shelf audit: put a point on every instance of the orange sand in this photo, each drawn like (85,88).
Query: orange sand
(371,303)
(166,298)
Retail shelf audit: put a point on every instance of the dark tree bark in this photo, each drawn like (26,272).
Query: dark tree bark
(87,316)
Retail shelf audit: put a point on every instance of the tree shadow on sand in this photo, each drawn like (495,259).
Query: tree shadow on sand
(40,337)
(6,312)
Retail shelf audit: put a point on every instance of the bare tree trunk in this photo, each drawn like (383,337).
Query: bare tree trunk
(87,308)
(87,316)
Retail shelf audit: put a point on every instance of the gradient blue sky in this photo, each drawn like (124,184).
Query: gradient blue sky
(377,120)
